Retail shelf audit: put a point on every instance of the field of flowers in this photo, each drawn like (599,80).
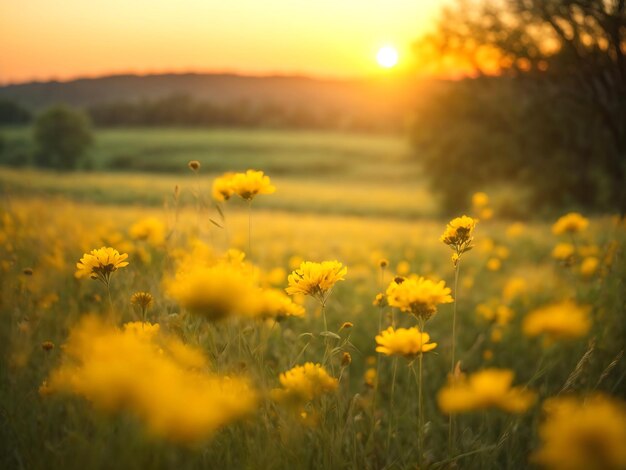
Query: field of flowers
(215,332)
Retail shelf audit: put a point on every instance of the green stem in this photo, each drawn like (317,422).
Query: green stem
(456,301)
(250,229)
(393,388)
(420,404)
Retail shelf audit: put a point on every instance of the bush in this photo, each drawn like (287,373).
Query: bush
(62,136)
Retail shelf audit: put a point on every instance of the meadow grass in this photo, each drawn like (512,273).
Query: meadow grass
(299,154)
(378,209)
(48,235)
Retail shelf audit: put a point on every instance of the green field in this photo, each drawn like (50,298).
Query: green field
(73,397)
(316,172)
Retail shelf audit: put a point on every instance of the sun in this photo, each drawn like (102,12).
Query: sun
(387,56)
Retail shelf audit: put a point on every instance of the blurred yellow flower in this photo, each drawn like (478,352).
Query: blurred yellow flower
(100,263)
(494,264)
(589,266)
(458,234)
(214,292)
(247,185)
(403,342)
(563,320)
(484,389)
(273,303)
(514,288)
(370,377)
(570,223)
(156,378)
(582,434)
(480,200)
(563,251)
(149,229)
(418,296)
(316,279)
(304,383)
(222,188)
(403,268)
(485,213)
(515,230)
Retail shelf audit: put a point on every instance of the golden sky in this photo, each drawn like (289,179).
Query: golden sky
(45,39)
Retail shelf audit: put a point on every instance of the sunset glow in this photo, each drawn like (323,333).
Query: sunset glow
(39,40)
(387,57)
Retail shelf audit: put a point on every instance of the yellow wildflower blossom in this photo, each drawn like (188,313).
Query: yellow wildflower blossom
(570,223)
(514,288)
(316,279)
(149,229)
(223,187)
(151,376)
(274,303)
(418,296)
(563,251)
(214,292)
(589,266)
(583,434)
(100,263)
(247,185)
(304,383)
(563,320)
(458,234)
(480,200)
(407,342)
(484,389)
(142,300)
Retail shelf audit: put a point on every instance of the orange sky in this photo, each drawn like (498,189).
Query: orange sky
(45,39)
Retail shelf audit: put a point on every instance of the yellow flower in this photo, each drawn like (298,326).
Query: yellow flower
(143,300)
(403,342)
(418,296)
(149,229)
(214,292)
(563,251)
(380,301)
(370,377)
(223,187)
(484,389)
(570,223)
(249,184)
(274,303)
(486,213)
(156,378)
(304,383)
(458,234)
(100,263)
(316,279)
(494,264)
(514,288)
(563,320)
(583,434)
(480,200)
(589,266)
(515,230)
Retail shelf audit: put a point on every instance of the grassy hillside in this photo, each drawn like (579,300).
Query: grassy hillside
(317,172)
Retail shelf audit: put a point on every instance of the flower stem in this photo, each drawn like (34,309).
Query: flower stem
(393,388)
(420,410)
(250,229)
(456,301)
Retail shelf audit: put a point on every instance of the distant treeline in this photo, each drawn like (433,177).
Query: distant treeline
(185,111)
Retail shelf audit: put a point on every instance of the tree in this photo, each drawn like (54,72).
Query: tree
(564,61)
(13,113)
(62,136)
